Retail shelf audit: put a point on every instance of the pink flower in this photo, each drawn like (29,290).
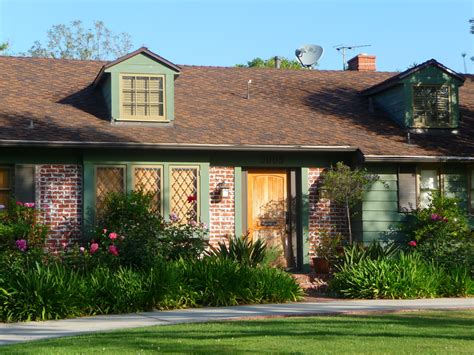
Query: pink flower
(203,225)
(412,243)
(2,207)
(104,231)
(436,217)
(192,223)
(29,204)
(21,244)
(64,245)
(113,235)
(18,203)
(94,248)
(113,250)
(82,249)
(174,217)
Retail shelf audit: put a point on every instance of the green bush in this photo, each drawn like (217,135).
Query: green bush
(441,233)
(20,229)
(401,275)
(133,227)
(242,249)
(32,288)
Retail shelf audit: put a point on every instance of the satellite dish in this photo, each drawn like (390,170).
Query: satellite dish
(309,54)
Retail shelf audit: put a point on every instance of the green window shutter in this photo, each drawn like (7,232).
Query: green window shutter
(406,188)
(25,183)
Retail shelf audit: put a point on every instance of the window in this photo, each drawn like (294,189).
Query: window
(431,106)
(108,179)
(149,180)
(143,97)
(184,193)
(5,185)
(429,183)
(406,188)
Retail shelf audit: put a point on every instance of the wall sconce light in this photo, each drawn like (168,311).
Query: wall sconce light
(223,189)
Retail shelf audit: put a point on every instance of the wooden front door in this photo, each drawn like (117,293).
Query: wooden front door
(268,209)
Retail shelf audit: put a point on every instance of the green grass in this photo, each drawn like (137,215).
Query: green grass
(410,332)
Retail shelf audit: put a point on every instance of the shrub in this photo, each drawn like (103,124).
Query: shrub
(401,275)
(441,233)
(140,235)
(20,228)
(243,250)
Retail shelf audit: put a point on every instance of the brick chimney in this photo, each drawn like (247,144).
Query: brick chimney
(362,62)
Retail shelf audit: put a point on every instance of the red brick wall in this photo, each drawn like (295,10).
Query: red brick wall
(222,209)
(323,216)
(59,198)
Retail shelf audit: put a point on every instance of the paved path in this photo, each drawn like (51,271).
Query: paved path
(19,332)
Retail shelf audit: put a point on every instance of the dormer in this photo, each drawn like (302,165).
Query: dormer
(138,87)
(422,99)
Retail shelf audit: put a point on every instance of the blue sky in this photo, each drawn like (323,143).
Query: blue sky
(225,33)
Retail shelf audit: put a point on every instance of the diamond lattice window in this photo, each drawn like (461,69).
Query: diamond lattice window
(148,180)
(108,179)
(184,194)
(143,97)
(431,106)
(5,185)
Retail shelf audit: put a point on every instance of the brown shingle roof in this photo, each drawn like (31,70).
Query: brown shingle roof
(286,107)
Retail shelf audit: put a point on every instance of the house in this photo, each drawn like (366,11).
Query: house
(236,148)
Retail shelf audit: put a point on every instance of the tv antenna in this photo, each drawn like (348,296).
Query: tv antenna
(309,54)
(342,49)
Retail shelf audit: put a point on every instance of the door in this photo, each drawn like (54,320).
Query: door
(267,211)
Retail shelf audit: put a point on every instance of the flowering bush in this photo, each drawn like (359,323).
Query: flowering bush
(139,235)
(20,229)
(440,232)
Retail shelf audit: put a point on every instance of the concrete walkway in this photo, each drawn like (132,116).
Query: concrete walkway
(19,332)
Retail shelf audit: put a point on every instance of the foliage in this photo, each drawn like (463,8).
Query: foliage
(471,21)
(356,253)
(441,232)
(142,235)
(429,332)
(270,63)
(244,250)
(401,275)
(20,228)
(328,246)
(345,187)
(3,46)
(74,42)
(31,289)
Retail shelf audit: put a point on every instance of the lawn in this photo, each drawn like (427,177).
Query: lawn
(409,332)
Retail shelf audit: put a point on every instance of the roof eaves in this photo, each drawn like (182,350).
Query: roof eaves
(395,80)
(141,50)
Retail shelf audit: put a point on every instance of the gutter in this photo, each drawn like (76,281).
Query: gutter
(415,159)
(178,146)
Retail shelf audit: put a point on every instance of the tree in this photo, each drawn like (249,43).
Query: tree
(270,63)
(74,42)
(3,46)
(471,21)
(345,187)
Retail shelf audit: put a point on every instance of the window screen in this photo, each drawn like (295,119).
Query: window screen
(184,193)
(429,183)
(149,180)
(142,97)
(431,106)
(472,191)
(108,179)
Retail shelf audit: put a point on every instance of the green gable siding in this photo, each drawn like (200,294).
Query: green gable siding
(433,76)
(392,101)
(139,64)
(106,90)
(397,101)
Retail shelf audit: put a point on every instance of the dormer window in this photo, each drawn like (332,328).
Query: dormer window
(431,106)
(142,97)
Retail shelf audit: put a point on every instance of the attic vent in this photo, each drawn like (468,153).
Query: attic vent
(431,106)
